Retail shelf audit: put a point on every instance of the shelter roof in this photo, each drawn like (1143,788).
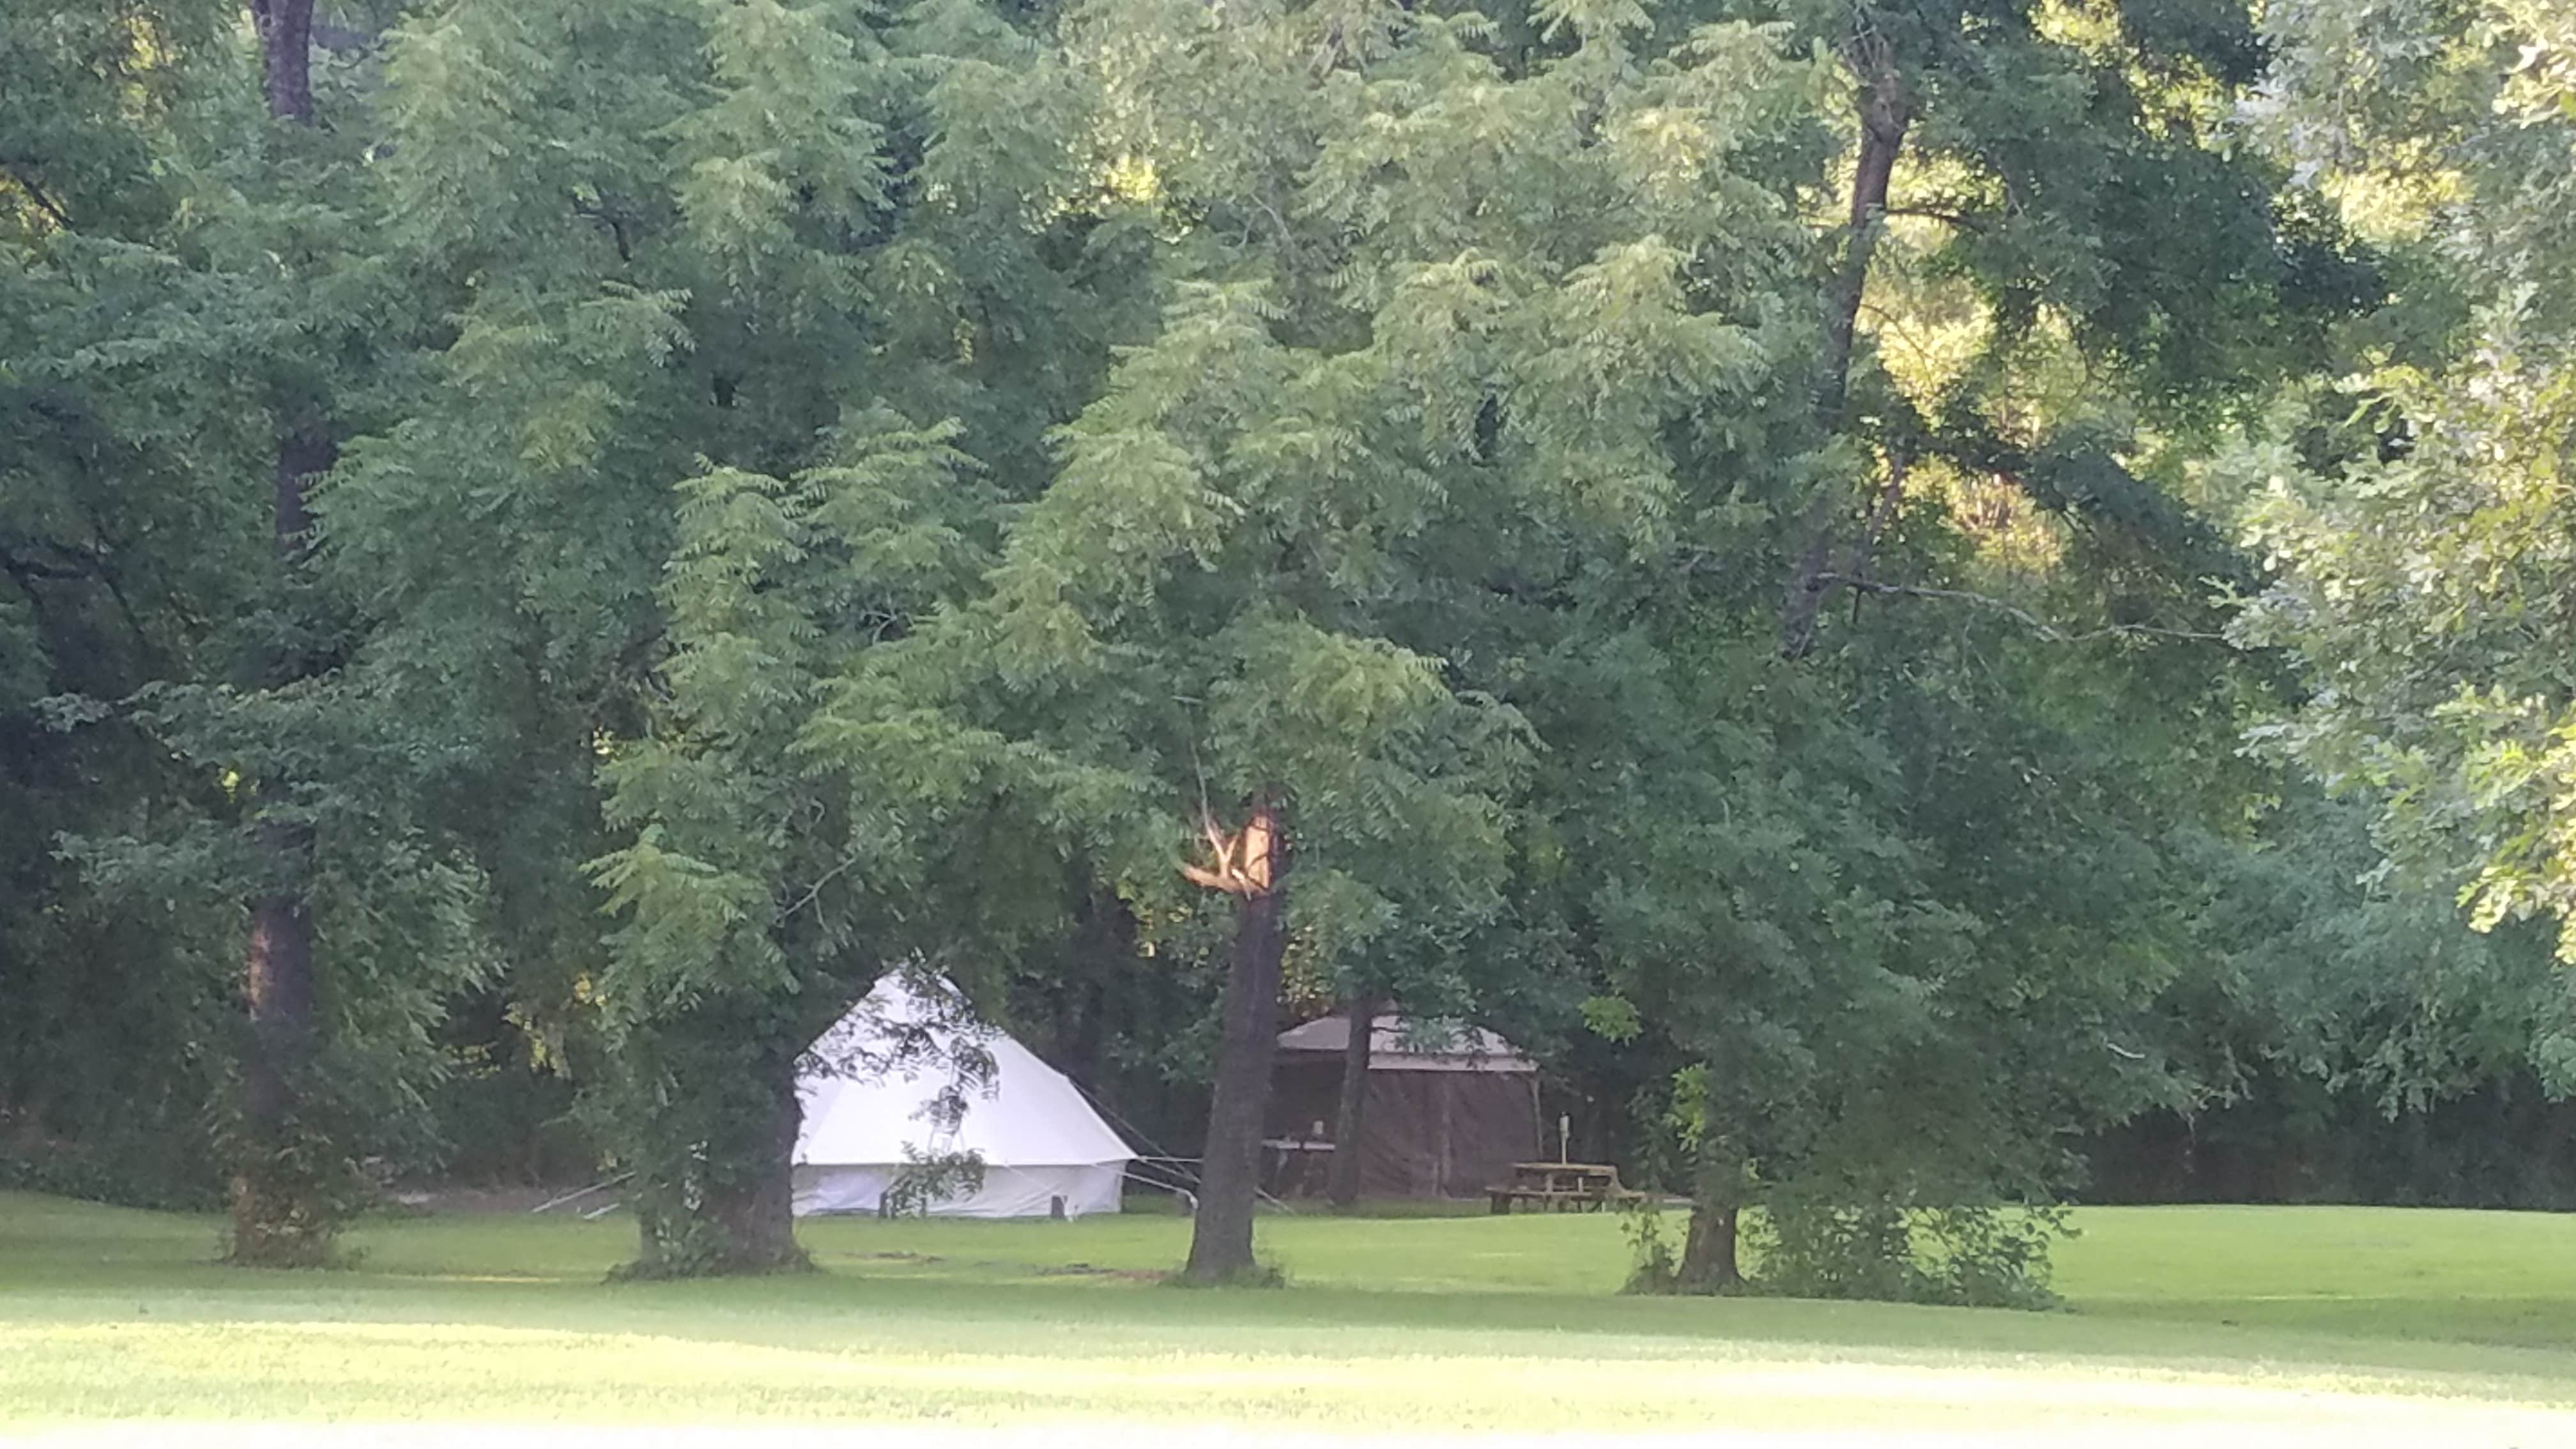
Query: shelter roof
(1402,1044)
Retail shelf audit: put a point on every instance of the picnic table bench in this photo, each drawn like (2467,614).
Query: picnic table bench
(1296,1166)
(1561,1187)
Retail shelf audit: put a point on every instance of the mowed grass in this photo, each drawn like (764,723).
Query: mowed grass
(2325,1325)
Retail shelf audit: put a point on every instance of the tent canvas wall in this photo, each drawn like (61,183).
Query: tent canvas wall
(1039,1140)
(1445,1117)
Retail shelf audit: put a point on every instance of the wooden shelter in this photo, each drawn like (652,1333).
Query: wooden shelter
(1448,1111)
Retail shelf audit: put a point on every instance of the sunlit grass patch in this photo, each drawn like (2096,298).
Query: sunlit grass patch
(2265,1321)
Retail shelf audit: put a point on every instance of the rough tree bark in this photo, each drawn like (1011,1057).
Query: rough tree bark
(1886,110)
(1708,1253)
(1885,113)
(286,53)
(755,1212)
(1709,1263)
(705,1115)
(1351,1115)
(280,1216)
(280,1203)
(1230,1177)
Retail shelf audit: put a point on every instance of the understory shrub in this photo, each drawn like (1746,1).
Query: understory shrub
(171,1175)
(1967,1257)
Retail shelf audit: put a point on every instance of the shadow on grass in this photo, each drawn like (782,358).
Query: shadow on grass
(72,1263)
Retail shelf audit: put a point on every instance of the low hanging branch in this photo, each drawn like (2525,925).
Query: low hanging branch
(2037,625)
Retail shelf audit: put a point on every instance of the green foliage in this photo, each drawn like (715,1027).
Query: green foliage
(160,1168)
(1654,1262)
(2330,965)
(2420,549)
(112,417)
(1973,1257)
(1880,923)
(773,590)
(766,250)
(691,1107)
(827,488)
(929,1178)
(293,1188)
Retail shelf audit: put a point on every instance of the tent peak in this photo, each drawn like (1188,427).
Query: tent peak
(884,1088)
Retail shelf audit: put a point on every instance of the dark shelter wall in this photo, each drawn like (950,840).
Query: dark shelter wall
(1423,1134)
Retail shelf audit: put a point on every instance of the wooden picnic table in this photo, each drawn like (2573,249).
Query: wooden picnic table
(1560,1187)
(1296,1166)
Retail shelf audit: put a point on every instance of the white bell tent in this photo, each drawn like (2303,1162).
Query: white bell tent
(1040,1142)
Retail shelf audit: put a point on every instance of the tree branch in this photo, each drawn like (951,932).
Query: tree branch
(36,194)
(2036,624)
(608,217)
(1960,220)
(1886,111)
(27,568)
(815,891)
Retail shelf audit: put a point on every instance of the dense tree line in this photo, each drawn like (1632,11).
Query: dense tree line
(1894,588)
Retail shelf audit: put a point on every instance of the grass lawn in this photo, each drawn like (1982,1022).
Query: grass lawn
(2270,1325)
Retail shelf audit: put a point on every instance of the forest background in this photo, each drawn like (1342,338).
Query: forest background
(1941,605)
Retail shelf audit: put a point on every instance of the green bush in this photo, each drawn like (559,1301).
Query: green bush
(1970,1257)
(173,1176)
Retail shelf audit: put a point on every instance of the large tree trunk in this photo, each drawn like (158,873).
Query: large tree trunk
(1230,1178)
(1351,1117)
(282,1195)
(1708,1253)
(1719,1183)
(1885,113)
(708,1126)
(282,1209)
(286,51)
(755,1212)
